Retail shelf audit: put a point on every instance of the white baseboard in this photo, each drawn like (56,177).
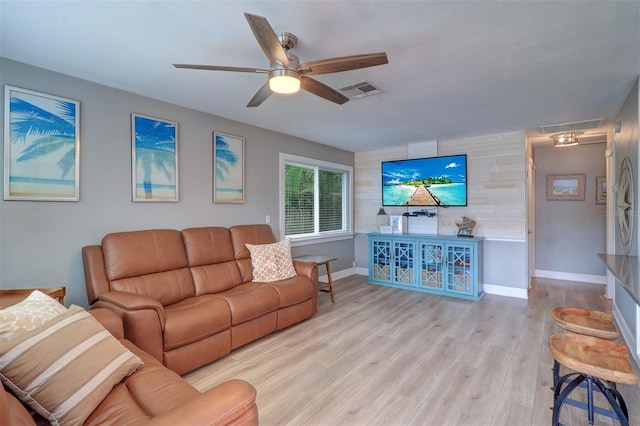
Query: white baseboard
(569,276)
(362,271)
(336,275)
(500,290)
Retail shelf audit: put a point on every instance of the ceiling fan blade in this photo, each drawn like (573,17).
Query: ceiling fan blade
(345,63)
(261,95)
(322,90)
(220,68)
(267,39)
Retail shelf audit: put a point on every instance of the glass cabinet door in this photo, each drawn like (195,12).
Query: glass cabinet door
(381,259)
(431,266)
(459,269)
(403,262)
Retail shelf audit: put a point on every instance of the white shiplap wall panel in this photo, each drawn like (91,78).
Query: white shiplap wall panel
(367,185)
(495,173)
(496,176)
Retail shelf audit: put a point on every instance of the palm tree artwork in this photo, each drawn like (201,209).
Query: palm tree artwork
(43,155)
(155,164)
(228,173)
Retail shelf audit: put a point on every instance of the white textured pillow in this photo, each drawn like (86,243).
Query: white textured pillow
(66,367)
(271,262)
(30,313)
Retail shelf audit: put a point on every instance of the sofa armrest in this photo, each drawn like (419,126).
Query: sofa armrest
(307,269)
(143,319)
(133,302)
(109,320)
(231,403)
(95,276)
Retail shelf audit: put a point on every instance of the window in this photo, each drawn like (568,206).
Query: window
(315,199)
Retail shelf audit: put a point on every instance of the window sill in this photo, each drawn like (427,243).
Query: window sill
(305,241)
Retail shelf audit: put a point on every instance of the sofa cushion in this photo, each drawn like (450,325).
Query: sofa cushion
(151,263)
(211,259)
(293,290)
(166,287)
(194,319)
(145,394)
(250,301)
(64,368)
(248,234)
(207,245)
(271,262)
(30,313)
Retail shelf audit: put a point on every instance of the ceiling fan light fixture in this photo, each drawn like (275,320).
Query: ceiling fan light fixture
(284,81)
(566,139)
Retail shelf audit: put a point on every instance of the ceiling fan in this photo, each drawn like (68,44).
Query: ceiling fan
(286,73)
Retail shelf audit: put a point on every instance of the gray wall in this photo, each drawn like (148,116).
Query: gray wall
(40,242)
(570,234)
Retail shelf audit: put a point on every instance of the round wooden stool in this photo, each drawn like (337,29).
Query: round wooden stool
(585,321)
(598,362)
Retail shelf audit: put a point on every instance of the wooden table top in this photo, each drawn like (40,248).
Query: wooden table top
(313,258)
(10,297)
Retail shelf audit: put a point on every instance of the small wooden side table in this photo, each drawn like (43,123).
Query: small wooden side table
(321,260)
(10,297)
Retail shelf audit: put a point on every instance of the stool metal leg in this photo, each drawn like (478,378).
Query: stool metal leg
(562,396)
(613,397)
(590,399)
(556,373)
(615,400)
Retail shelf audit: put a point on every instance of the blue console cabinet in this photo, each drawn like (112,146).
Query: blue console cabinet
(441,264)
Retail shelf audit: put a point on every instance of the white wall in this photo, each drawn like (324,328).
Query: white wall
(40,242)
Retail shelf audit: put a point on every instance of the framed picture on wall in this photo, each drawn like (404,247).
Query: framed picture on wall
(565,187)
(228,168)
(601,190)
(41,146)
(154,162)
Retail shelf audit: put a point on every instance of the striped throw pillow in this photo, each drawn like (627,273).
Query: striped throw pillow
(65,368)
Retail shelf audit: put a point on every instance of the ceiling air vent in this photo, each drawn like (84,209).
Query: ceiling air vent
(567,127)
(360,90)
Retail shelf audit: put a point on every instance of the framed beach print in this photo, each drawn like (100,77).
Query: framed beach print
(41,146)
(601,190)
(154,159)
(228,168)
(565,187)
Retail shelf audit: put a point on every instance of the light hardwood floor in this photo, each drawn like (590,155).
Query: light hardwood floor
(383,356)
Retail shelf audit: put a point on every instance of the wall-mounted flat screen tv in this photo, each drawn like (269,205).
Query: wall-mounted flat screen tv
(433,181)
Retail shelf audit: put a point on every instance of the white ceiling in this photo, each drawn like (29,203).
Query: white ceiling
(456,68)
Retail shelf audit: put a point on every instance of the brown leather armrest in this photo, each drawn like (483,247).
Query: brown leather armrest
(109,320)
(231,403)
(142,318)
(133,302)
(307,269)
(94,274)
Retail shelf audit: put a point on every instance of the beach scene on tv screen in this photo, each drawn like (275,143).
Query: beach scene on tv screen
(436,181)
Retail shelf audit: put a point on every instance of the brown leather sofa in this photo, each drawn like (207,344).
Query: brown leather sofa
(187,297)
(153,395)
